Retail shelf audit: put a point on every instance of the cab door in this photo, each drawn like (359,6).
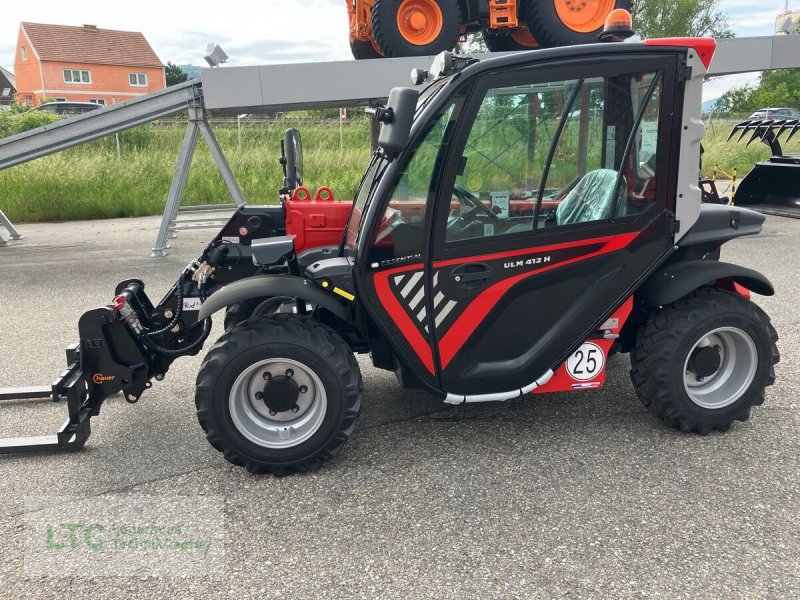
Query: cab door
(553,204)
(393,251)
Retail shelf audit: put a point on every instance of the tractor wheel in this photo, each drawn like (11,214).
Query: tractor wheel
(415,27)
(364,50)
(254,307)
(279,394)
(567,22)
(703,362)
(517,39)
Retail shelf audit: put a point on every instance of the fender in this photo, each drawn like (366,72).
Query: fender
(678,279)
(271,285)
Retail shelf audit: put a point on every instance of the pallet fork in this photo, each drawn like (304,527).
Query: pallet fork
(70,386)
(108,359)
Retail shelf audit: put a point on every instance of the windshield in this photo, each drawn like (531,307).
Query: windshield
(375,169)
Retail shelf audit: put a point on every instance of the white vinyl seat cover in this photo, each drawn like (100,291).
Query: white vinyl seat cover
(593,199)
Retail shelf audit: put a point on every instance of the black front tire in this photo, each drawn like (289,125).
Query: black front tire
(391,41)
(548,28)
(253,307)
(303,341)
(664,344)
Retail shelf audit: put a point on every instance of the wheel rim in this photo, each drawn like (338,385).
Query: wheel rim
(256,421)
(738,360)
(583,16)
(420,21)
(524,37)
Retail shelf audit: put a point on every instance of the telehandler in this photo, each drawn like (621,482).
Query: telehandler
(522,218)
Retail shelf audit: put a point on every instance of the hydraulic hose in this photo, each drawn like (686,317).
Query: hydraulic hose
(178,310)
(179,351)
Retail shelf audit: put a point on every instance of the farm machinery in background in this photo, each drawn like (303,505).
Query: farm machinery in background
(394,28)
(773,186)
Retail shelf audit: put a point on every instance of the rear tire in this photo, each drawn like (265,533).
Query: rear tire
(509,42)
(364,50)
(437,32)
(252,376)
(568,22)
(704,361)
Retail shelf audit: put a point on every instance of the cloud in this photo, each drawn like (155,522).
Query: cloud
(716,86)
(306,29)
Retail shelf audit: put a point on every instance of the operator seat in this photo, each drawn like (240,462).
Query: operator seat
(593,199)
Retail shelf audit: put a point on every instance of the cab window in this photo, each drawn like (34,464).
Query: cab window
(401,232)
(558,154)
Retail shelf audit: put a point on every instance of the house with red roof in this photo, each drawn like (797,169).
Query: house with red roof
(84,64)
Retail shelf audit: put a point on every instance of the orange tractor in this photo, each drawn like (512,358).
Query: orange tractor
(425,27)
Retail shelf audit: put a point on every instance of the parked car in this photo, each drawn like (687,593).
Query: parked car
(776,113)
(68,109)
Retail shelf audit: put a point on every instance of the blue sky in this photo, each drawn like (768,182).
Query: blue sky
(268,31)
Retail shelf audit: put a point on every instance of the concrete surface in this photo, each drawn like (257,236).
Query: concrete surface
(581,496)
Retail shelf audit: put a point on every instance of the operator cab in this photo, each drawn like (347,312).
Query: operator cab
(500,209)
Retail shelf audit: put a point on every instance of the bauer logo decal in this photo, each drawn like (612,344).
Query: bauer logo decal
(99,378)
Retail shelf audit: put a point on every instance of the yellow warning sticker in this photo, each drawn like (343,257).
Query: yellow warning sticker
(344,294)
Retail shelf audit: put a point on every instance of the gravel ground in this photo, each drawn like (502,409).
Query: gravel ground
(582,495)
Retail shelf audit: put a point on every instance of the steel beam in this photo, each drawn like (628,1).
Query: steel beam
(271,88)
(744,55)
(5,222)
(177,187)
(89,126)
(169,220)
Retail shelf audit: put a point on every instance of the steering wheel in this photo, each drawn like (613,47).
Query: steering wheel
(469,198)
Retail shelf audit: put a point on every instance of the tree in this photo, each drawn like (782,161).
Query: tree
(775,89)
(680,18)
(175,74)
(473,44)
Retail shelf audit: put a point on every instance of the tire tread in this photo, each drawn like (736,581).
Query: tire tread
(303,331)
(650,373)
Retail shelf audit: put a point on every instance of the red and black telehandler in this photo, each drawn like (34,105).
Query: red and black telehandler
(522,218)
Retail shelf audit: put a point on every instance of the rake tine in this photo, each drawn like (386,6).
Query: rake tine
(783,125)
(752,124)
(795,129)
(736,128)
(771,128)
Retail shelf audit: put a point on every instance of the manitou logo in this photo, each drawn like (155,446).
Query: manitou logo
(99,378)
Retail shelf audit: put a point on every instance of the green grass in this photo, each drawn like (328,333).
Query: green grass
(89,182)
(729,155)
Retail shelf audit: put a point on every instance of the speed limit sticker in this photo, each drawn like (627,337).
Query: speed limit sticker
(586,363)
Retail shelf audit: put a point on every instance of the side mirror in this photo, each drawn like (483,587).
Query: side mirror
(293,160)
(397,118)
